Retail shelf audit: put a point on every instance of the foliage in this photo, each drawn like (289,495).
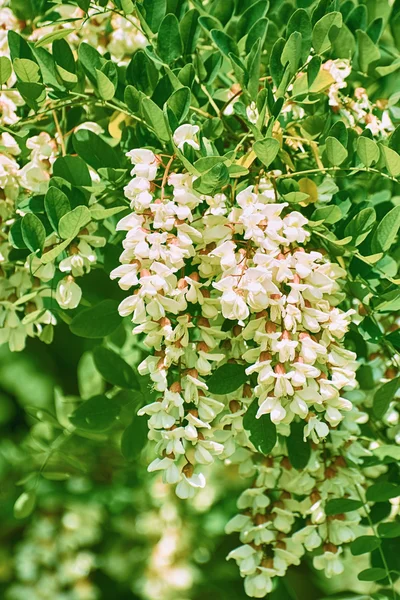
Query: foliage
(244,156)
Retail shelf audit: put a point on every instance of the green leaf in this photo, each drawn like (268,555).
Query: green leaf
(73,169)
(127,6)
(368,52)
(26,70)
(360,225)
(169,41)
(25,504)
(212,181)
(154,116)
(257,32)
(54,252)
(134,439)
(382,491)
(33,232)
(364,544)
(227,379)
(325,31)
(179,103)
(142,73)
(251,15)
(70,79)
(96,414)
(224,43)
(5,69)
(267,150)
(389,530)
(59,34)
(190,31)
(392,160)
(299,450)
(71,223)
(335,151)
(114,369)
(154,13)
(94,150)
(262,432)
(98,321)
(337,506)
(104,85)
(367,150)
(57,205)
(387,230)
(384,396)
(374,574)
(301,22)
(291,52)
(90,60)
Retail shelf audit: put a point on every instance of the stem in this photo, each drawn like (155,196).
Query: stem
(165,176)
(384,562)
(350,169)
(60,134)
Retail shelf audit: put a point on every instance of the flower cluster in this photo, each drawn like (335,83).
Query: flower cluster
(227,279)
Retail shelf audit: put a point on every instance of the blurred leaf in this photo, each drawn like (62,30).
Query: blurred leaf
(25,504)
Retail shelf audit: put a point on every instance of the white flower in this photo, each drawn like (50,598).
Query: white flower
(185,134)
(187,487)
(329,562)
(68,293)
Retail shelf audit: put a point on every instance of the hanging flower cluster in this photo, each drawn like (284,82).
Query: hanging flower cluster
(198,263)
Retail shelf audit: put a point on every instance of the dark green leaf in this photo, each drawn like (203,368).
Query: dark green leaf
(364,544)
(374,574)
(98,321)
(96,414)
(179,103)
(134,439)
(114,369)
(33,232)
(73,169)
(94,150)
(227,379)
(299,450)
(224,42)
(57,205)
(361,225)
(382,491)
(389,530)
(154,13)
(384,396)
(190,31)
(338,506)
(169,41)
(262,431)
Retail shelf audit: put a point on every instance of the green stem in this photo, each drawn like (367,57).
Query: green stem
(382,554)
